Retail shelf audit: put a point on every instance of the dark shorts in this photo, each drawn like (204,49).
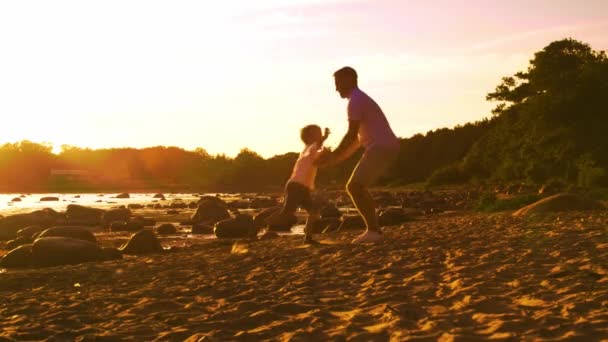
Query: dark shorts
(298,196)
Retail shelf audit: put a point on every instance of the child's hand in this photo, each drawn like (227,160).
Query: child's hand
(327,132)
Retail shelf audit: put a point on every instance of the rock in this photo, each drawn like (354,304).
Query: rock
(239,204)
(268,236)
(559,202)
(108,253)
(142,242)
(260,220)
(392,216)
(49,199)
(158,206)
(201,228)
(123,195)
(262,202)
(351,222)
(56,251)
(10,225)
(119,214)
(160,196)
(326,225)
(19,257)
(135,206)
(19,241)
(210,211)
(145,221)
(178,205)
(16,199)
(214,199)
(192,205)
(165,229)
(240,226)
(30,231)
(330,211)
(81,215)
(72,232)
(172,212)
(126,226)
(77,196)
(412,212)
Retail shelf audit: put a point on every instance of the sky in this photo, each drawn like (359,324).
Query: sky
(227,75)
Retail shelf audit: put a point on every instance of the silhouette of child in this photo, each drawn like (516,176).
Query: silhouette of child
(299,187)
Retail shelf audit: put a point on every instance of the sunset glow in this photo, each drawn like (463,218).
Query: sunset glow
(228,75)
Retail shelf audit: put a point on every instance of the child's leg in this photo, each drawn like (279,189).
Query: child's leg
(313,217)
(291,201)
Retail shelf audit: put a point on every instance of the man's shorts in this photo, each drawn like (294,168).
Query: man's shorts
(374,163)
(299,196)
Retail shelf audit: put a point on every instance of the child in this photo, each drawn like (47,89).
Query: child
(298,190)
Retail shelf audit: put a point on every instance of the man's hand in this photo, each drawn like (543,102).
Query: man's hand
(325,158)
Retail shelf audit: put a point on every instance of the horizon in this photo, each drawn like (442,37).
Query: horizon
(241,75)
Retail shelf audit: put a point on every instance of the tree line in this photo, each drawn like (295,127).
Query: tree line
(549,123)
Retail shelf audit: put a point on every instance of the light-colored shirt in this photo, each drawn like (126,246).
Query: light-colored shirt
(304,170)
(374,129)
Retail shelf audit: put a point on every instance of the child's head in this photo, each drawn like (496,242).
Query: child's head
(311,134)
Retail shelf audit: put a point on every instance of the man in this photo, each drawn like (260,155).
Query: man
(367,127)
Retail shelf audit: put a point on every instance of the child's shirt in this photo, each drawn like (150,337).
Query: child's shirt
(304,170)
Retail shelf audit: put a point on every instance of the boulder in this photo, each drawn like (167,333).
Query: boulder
(166,229)
(201,228)
(351,222)
(49,199)
(268,236)
(118,214)
(262,202)
(214,199)
(159,196)
(73,232)
(392,216)
(326,225)
(192,205)
(56,251)
(145,221)
(210,211)
(559,202)
(18,241)
(123,195)
(330,210)
(135,206)
(179,205)
(16,199)
(108,253)
(260,220)
(126,226)
(81,215)
(172,212)
(30,231)
(10,225)
(19,257)
(142,242)
(241,226)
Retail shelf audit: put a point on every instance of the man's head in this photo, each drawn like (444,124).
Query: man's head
(311,134)
(346,81)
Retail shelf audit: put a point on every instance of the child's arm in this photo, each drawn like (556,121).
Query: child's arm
(325,136)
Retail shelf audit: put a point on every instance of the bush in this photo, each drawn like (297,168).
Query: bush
(489,203)
(451,174)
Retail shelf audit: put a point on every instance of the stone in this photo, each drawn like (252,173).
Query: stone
(135,206)
(166,229)
(81,215)
(172,212)
(108,253)
(117,214)
(392,216)
(351,222)
(241,226)
(262,202)
(49,199)
(10,225)
(19,257)
(210,211)
(73,232)
(330,211)
(56,251)
(268,236)
(159,196)
(142,242)
(16,199)
(123,195)
(201,228)
(30,231)
(560,202)
(260,220)
(19,241)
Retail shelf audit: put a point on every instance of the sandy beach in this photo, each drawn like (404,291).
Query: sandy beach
(446,277)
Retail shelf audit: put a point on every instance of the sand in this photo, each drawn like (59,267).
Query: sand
(447,277)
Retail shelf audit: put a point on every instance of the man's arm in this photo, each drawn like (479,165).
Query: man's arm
(345,149)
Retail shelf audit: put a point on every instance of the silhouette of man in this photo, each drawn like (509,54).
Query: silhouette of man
(367,127)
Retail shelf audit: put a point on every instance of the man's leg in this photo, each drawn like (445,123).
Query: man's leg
(364,203)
